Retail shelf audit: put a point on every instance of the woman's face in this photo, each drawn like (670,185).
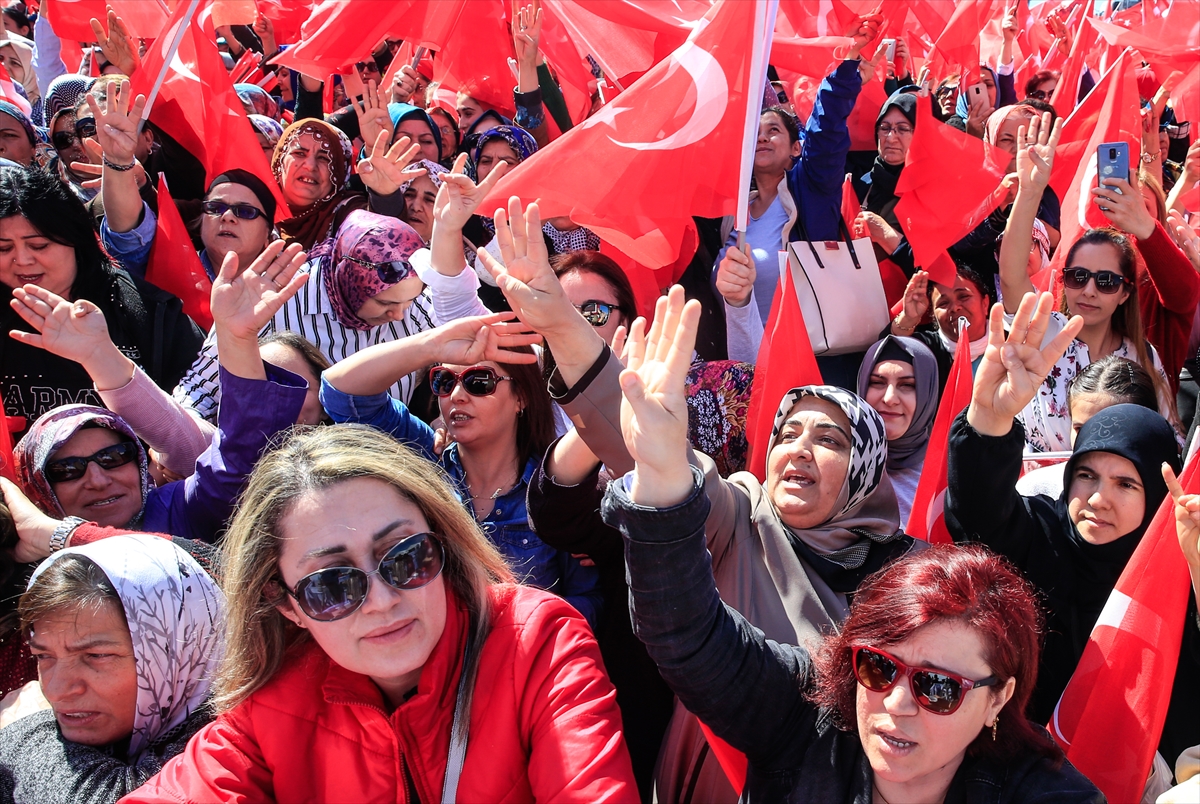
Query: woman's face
(892,391)
(584,286)
(1006,135)
(807,467)
(1106,499)
(774,150)
(289,359)
(12,63)
(307,172)
(895,135)
(14,142)
(446,127)
(27,257)
(1094,307)
(469,110)
(947,97)
(419,199)
(1048,86)
(268,147)
(909,747)
(353,524)
(494,152)
(87,672)
(472,420)
(963,299)
(418,131)
(224,233)
(65,124)
(391,304)
(1086,405)
(990,83)
(109,497)
(12,27)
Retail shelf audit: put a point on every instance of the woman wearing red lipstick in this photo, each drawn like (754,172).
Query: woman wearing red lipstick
(379,651)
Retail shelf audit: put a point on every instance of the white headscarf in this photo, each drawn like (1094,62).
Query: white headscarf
(176,620)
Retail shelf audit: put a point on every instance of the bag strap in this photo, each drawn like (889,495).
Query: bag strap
(458,735)
(842,230)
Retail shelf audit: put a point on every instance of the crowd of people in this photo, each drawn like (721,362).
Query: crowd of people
(430,512)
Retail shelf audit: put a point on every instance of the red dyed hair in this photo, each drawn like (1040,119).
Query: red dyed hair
(969,585)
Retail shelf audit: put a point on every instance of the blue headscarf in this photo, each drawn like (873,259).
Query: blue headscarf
(960,108)
(399,112)
(521,141)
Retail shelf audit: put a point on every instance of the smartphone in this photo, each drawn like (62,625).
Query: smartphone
(890,49)
(977,94)
(1112,162)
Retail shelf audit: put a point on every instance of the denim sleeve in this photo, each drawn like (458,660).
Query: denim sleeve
(581,588)
(131,248)
(382,412)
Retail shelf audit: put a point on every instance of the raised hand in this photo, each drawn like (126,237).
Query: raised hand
(459,197)
(1185,237)
(1187,520)
(372,116)
(74,330)
(868,224)
(1013,368)
(387,168)
(34,528)
(265,30)
(1036,144)
(863,32)
(526,32)
(116,43)
(1009,27)
(243,302)
(466,341)
(117,123)
(1121,202)
(735,276)
(654,412)
(916,304)
(902,64)
(405,83)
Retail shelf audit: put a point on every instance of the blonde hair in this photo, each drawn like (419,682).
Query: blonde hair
(310,459)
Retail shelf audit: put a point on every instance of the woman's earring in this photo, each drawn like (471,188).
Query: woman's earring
(995,725)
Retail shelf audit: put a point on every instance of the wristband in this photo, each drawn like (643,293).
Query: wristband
(58,539)
(116,167)
(896,324)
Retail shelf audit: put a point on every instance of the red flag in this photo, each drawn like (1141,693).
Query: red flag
(1110,717)
(7,425)
(650,283)
(287,17)
(338,33)
(959,41)
(927,520)
(9,93)
(850,203)
(951,181)
(1066,92)
(197,104)
(667,148)
(174,265)
(731,760)
(71,19)
(785,361)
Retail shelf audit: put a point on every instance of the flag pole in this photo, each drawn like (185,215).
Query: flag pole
(169,57)
(764,26)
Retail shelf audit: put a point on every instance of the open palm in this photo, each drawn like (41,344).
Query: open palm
(459,197)
(243,302)
(72,330)
(1036,144)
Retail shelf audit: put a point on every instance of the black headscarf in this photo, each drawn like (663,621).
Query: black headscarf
(881,196)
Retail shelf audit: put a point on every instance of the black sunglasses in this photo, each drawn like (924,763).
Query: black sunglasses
(336,592)
(108,458)
(246,212)
(366,66)
(390,272)
(477,381)
(1040,94)
(85,128)
(933,690)
(62,140)
(1106,281)
(596,313)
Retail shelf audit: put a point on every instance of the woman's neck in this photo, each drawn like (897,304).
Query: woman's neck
(768,188)
(1101,339)
(928,789)
(490,468)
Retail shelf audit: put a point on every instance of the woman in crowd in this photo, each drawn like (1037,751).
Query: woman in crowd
(415,123)
(358,571)
(18,141)
(1041,85)
(920,693)
(17,54)
(970,297)
(420,194)
(127,633)
(47,238)
(899,379)
(498,420)
(1073,548)
(1100,286)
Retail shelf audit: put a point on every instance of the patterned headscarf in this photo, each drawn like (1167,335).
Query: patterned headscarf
(521,141)
(384,243)
(176,620)
(48,434)
(907,451)
(331,139)
(991,126)
(433,169)
(10,109)
(256,100)
(269,128)
(64,94)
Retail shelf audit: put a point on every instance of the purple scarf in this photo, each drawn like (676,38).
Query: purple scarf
(368,255)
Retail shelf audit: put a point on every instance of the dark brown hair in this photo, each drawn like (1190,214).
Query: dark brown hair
(601,265)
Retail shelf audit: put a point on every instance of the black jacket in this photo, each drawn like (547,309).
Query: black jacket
(751,690)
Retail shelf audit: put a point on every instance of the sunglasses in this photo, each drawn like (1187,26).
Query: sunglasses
(337,592)
(476,381)
(390,272)
(85,128)
(107,459)
(1106,281)
(63,140)
(933,690)
(1040,94)
(596,313)
(246,212)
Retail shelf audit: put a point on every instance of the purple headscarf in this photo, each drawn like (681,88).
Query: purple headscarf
(47,435)
(384,244)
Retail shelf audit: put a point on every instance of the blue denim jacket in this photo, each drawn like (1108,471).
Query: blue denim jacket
(507,526)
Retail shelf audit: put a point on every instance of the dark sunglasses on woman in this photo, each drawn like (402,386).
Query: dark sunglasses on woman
(1040,94)
(390,272)
(246,212)
(1106,281)
(596,313)
(476,381)
(934,690)
(85,128)
(62,140)
(61,471)
(336,592)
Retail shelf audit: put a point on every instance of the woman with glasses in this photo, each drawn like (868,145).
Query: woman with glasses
(919,693)
(498,420)
(378,650)
(1101,284)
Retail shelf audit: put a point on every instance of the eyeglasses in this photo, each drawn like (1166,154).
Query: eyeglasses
(1039,94)
(390,272)
(337,592)
(366,66)
(85,128)
(900,130)
(476,381)
(107,459)
(246,212)
(596,313)
(1106,281)
(62,140)
(933,690)
(942,92)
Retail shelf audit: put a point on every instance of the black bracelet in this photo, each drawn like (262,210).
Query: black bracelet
(116,167)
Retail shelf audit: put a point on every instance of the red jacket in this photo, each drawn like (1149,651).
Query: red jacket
(544,725)
(1168,292)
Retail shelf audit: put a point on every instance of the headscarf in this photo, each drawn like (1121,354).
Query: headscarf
(252,183)
(271,129)
(991,126)
(309,225)
(47,435)
(518,138)
(10,109)
(399,112)
(369,238)
(907,451)
(960,108)
(866,510)
(432,169)
(24,49)
(881,197)
(175,614)
(64,95)
(256,100)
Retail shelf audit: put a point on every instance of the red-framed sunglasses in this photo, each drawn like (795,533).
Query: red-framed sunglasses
(934,690)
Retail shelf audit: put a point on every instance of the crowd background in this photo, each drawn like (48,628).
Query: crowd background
(599,400)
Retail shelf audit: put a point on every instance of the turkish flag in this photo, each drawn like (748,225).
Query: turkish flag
(71,19)
(1110,717)
(669,23)
(950,182)
(339,33)
(927,520)
(174,265)
(958,43)
(1066,93)
(785,361)
(197,104)
(667,148)
(9,93)
(287,17)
